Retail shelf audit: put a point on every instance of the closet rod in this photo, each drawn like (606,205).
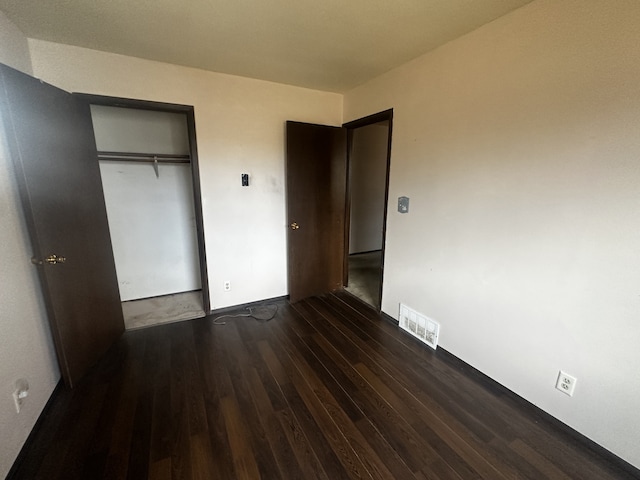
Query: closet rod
(145,157)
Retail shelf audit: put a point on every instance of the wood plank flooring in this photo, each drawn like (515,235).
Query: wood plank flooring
(325,390)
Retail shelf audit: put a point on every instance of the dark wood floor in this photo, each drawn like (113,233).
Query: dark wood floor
(325,390)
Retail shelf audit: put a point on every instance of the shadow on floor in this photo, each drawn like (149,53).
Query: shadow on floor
(364,276)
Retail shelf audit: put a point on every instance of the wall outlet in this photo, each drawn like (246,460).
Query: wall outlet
(227,285)
(566,383)
(20,393)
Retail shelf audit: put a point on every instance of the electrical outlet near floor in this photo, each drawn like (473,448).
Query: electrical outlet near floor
(20,393)
(566,383)
(227,285)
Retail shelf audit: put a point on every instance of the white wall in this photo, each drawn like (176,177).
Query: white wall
(151,218)
(368,179)
(153,228)
(14,48)
(26,349)
(518,145)
(135,130)
(240,129)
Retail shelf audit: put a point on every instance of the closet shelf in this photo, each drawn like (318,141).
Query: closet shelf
(144,157)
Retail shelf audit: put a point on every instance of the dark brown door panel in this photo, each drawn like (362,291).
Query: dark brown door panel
(51,143)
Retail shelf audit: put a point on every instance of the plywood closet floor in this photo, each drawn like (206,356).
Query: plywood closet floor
(165,309)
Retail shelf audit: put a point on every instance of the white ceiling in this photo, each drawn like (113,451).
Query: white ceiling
(331,45)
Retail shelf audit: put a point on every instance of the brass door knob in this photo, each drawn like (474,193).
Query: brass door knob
(294,226)
(51,260)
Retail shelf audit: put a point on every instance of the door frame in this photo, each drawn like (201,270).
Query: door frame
(188,110)
(385,115)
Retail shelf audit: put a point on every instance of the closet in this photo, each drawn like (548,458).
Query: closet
(146,169)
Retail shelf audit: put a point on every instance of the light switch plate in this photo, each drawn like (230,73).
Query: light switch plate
(403,204)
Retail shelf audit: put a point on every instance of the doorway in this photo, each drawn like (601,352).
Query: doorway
(148,166)
(369,142)
(320,188)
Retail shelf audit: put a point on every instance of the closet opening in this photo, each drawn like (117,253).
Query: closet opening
(149,167)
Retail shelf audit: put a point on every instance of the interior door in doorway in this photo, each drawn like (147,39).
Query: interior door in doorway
(316,186)
(51,143)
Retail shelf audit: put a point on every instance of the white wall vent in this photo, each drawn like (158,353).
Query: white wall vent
(421,327)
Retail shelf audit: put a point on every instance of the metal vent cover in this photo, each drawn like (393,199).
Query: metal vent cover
(419,326)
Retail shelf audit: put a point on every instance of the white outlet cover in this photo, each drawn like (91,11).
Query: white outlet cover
(566,383)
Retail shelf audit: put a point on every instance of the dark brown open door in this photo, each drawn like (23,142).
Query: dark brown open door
(51,142)
(316,183)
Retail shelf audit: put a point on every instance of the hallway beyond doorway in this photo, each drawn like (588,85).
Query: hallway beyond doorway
(364,277)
